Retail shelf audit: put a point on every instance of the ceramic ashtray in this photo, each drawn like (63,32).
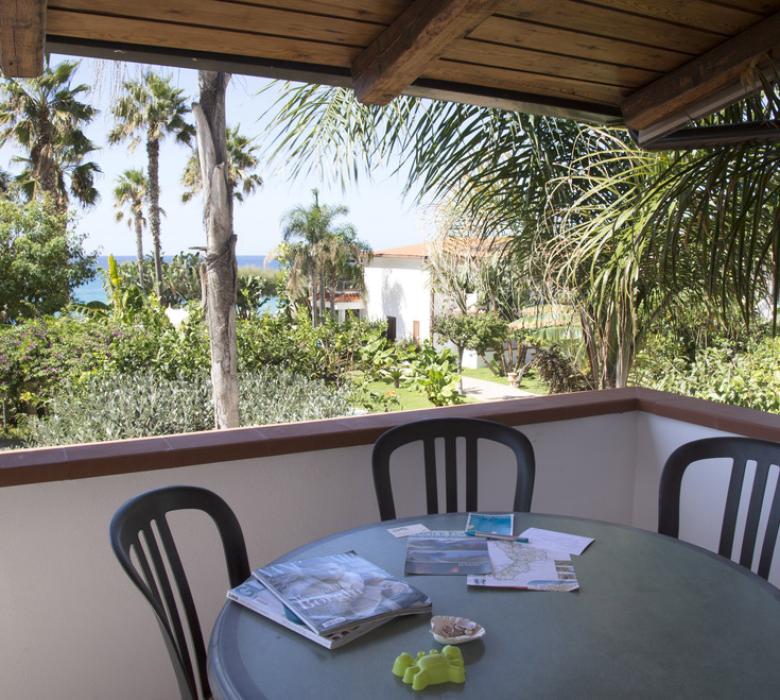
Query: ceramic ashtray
(447,629)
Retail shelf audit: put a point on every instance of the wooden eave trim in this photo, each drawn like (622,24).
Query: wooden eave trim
(331,75)
(22,32)
(40,465)
(703,85)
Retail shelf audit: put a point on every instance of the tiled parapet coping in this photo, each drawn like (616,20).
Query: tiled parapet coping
(146,454)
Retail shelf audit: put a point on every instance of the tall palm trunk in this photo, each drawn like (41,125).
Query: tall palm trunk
(139,247)
(313,293)
(153,155)
(221,267)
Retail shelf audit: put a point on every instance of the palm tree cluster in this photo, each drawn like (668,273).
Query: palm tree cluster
(46,117)
(322,256)
(626,236)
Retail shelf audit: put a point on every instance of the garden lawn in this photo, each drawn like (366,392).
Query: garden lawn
(531,381)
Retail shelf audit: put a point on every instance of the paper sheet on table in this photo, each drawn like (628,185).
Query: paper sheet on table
(524,567)
(556,541)
(406,530)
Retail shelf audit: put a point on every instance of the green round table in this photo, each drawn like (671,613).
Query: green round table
(654,618)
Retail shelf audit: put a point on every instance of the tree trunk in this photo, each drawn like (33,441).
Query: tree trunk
(153,155)
(221,267)
(322,296)
(139,247)
(313,294)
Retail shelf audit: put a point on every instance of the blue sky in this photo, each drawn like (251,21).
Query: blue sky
(377,209)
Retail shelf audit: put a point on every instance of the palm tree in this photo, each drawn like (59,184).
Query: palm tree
(313,232)
(242,162)
(130,193)
(46,117)
(149,110)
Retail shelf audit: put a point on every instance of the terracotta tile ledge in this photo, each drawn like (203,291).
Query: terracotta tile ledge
(146,454)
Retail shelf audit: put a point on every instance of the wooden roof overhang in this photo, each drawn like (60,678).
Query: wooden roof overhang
(653,65)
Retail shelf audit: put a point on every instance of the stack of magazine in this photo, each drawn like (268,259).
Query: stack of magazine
(330,600)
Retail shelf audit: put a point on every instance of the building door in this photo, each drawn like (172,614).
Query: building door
(391,328)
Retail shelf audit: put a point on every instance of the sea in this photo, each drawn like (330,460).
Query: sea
(94,290)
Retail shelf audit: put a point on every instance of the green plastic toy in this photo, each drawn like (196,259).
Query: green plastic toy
(431,668)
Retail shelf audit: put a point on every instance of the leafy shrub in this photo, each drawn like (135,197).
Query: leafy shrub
(38,356)
(436,374)
(127,406)
(724,372)
(557,370)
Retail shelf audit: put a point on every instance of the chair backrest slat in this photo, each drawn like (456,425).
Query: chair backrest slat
(740,451)
(431,490)
(450,430)
(471,474)
(754,515)
(733,496)
(166,588)
(770,536)
(451,474)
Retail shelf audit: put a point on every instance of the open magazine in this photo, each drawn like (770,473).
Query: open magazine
(254,595)
(339,591)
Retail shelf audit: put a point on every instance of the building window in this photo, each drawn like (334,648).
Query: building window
(391,332)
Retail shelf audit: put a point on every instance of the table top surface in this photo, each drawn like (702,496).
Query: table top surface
(653,618)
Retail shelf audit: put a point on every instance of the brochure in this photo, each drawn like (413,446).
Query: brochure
(445,552)
(557,541)
(338,591)
(254,595)
(527,568)
(500,527)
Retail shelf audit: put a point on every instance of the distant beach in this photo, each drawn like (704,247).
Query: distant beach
(95,291)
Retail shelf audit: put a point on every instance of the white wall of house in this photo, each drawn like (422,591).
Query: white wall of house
(399,287)
(74,627)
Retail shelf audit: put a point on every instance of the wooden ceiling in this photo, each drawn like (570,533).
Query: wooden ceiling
(652,64)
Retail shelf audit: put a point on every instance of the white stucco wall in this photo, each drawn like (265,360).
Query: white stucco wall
(399,287)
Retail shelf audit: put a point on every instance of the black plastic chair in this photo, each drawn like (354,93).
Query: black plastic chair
(741,451)
(143,515)
(450,429)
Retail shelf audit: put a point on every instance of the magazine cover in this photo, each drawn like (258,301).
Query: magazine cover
(337,591)
(443,552)
(254,595)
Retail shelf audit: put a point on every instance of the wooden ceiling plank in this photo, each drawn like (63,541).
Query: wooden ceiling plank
(601,21)
(22,37)
(378,11)
(540,37)
(121,30)
(418,36)
(691,13)
(529,83)
(501,56)
(761,7)
(228,15)
(710,79)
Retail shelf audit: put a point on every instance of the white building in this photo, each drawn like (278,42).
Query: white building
(398,291)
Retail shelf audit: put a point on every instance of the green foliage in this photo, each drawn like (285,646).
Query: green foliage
(114,407)
(481,332)
(747,375)
(558,372)
(39,356)
(436,374)
(41,260)
(256,288)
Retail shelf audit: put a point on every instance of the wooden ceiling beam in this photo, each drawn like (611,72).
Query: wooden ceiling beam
(705,84)
(420,35)
(22,32)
